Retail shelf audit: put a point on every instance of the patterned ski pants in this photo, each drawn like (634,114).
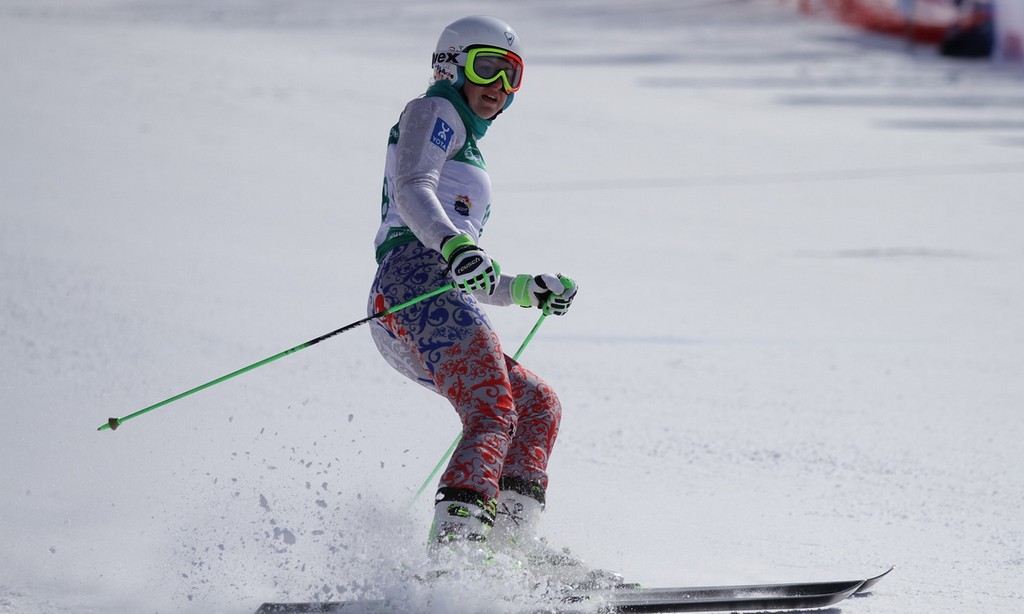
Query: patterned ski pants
(509,416)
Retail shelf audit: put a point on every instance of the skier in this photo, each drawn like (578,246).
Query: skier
(436,200)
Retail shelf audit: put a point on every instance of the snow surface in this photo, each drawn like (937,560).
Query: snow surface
(796,355)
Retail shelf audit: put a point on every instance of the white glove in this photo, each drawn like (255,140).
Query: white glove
(470,267)
(552,294)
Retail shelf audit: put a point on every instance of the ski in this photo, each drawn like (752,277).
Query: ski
(738,598)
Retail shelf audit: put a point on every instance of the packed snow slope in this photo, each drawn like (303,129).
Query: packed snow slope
(796,353)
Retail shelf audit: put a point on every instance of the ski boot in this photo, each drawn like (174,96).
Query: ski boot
(519,509)
(458,535)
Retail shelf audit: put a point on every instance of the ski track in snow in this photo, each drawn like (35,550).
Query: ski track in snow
(796,352)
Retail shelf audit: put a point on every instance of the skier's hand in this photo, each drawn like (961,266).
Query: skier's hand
(470,267)
(552,294)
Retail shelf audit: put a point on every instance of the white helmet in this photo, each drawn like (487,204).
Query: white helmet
(452,56)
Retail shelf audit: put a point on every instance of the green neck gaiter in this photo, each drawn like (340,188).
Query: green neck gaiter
(476,125)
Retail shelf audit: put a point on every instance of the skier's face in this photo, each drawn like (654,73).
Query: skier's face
(485,100)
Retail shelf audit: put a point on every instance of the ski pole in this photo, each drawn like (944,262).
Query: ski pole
(113,423)
(458,437)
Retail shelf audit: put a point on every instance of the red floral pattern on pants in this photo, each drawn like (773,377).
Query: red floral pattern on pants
(473,377)
(509,415)
(540,414)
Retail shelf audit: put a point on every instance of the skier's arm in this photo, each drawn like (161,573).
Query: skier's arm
(502,296)
(430,131)
(553,294)
(418,162)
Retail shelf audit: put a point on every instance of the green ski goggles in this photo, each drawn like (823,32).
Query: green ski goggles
(485,65)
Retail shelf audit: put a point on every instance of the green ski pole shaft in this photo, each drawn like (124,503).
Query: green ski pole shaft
(113,423)
(451,449)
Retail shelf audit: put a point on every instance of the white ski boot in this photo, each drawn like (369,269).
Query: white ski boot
(458,535)
(515,534)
